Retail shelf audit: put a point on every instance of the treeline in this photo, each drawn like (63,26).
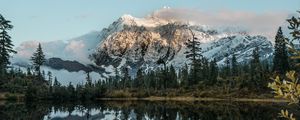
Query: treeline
(208,74)
(229,78)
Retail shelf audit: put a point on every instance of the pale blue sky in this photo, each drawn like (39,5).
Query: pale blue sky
(47,20)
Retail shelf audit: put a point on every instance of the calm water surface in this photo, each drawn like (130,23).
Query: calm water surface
(140,110)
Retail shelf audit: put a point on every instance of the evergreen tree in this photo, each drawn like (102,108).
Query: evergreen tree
(234,66)
(138,82)
(227,66)
(29,72)
(205,71)
(184,76)
(19,72)
(172,77)
(43,75)
(38,59)
(71,92)
(266,66)
(126,77)
(151,77)
(195,55)
(256,69)
(117,78)
(6,46)
(214,72)
(49,78)
(162,74)
(56,85)
(88,80)
(50,82)
(164,77)
(280,61)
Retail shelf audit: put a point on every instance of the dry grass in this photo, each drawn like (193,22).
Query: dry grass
(155,98)
(214,94)
(11,96)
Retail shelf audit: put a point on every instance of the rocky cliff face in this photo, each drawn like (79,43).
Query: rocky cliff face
(139,43)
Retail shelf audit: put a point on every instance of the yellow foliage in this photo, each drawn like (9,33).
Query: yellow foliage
(285,114)
(287,88)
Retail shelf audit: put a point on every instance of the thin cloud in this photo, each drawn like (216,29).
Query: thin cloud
(73,50)
(265,23)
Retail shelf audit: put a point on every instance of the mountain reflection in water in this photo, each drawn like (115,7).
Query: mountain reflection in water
(138,110)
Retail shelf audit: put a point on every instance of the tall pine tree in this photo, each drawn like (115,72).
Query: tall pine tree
(184,76)
(234,66)
(227,66)
(139,81)
(214,72)
(280,61)
(38,59)
(195,55)
(256,70)
(88,80)
(126,79)
(173,83)
(6,46)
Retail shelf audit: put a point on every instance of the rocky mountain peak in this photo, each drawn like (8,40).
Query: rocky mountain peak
(140,42)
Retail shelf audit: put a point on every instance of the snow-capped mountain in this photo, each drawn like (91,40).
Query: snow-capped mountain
(140,42)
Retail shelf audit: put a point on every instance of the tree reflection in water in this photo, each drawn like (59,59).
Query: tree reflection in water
(138,110)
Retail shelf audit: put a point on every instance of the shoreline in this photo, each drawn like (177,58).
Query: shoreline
(20,97)
(270,100)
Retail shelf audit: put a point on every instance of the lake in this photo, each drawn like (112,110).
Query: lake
(139,110)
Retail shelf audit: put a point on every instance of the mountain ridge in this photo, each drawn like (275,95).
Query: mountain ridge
(141,46)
